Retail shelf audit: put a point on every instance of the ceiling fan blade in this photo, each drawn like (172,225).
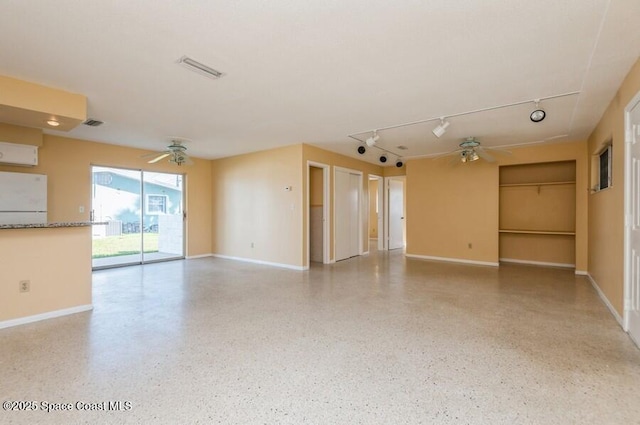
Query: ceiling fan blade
(159,157)
(152,154)
(484,155)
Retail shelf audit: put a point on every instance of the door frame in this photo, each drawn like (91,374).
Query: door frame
(360,206)
(326,224)
(628,210)
(142,206)
(381,215)
(403,179)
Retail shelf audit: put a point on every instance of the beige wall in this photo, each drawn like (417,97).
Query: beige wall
(67,164)
(23,135)
(606,208)
(450,207)
(57,262)
(251,206)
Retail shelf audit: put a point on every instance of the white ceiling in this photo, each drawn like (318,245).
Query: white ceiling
(320,71)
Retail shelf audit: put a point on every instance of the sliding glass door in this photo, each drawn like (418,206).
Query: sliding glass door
(143,212)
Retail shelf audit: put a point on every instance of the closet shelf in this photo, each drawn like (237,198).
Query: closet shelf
(537,232)
(536,184)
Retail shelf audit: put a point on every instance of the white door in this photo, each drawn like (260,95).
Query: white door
(396,214)
(347,212)
(633,256)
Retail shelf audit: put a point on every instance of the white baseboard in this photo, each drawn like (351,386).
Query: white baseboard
(365,253)
(265,263)
(193,257)
(604,299)
(453,260)
(45,316)
(582,273)
(537,263)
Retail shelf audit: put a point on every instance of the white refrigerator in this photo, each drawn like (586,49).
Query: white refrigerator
(23,198)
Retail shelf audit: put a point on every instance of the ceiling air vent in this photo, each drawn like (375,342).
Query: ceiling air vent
(200,68)
(93,123)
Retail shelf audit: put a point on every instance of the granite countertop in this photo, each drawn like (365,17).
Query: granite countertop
(51,225)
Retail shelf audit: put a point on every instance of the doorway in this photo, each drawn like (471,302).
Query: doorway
(318,213)
(144,217)
(348,224)
(376,212)
(396,223)
(632,226)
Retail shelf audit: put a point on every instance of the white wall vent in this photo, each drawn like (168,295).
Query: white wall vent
(17,154)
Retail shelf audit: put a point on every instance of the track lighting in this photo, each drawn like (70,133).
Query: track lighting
(361,150)
(383,158)
(441,128)
(399,163)
(538,114)
(373,139)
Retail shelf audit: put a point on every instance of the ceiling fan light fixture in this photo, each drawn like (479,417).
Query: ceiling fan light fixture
(469,156)
(441,128)
(538,114)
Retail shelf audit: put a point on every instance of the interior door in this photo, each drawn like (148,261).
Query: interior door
(396,214)
(347,198)
(633,256)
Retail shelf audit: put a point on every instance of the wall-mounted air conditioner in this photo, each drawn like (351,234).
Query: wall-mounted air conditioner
(16,154)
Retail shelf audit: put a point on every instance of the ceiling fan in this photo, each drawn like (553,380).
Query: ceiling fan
(470,150)
(176,152)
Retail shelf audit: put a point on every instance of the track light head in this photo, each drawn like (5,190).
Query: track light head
(361,150)
(399,163)
(383,158)
(538,114)
(441,128)
(371,141)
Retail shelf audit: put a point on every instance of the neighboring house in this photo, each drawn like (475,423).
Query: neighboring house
(116,196)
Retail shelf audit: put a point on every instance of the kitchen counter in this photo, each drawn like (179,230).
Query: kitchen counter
(54,259)
(50,225)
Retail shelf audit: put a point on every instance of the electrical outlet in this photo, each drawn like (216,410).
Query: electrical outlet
(252,245)
(81,209)
(24,285)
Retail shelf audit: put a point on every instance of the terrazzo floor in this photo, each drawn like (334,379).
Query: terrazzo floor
(379,339)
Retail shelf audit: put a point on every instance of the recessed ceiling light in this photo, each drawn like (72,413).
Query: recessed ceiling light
(538,114)
(53,123)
